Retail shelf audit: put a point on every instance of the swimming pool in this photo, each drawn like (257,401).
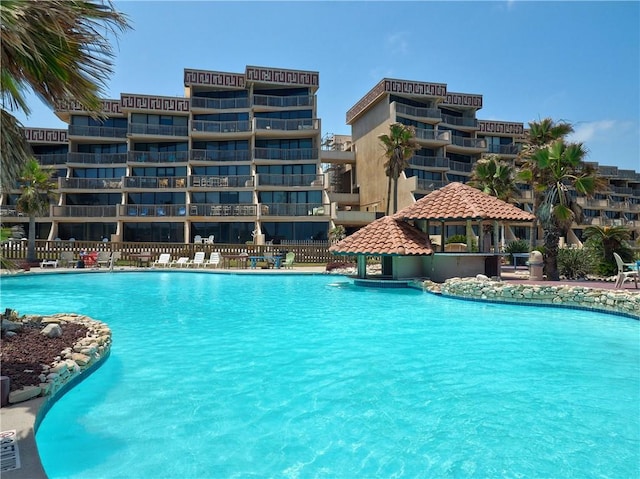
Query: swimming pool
(290,376)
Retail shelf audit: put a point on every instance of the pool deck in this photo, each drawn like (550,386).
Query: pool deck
(21,417)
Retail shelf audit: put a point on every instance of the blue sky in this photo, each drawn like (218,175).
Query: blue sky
(573,61)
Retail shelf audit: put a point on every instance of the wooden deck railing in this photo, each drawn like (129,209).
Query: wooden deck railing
(313,253)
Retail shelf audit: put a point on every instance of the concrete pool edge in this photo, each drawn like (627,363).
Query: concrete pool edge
(25,417)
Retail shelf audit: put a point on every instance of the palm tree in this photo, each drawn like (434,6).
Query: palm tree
(58,49)
(36,192)
(561,166)
(606,240)
(399,145)
(494,177)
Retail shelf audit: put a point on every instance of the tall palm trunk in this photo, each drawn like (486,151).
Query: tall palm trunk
(387,210)
(551,245)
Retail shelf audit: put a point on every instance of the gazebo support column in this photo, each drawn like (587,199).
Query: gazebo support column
(362,266)
(442,236)
(469,234)
(496,237)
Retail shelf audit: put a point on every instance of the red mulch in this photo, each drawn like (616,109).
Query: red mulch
(23,355)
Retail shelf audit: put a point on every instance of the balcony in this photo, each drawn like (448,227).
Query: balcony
(467,145)
(97,158)
(279,154)
(82,211)
(151,211)
(217,210)
(276,101)
(275,126)
(338,157)
(96,132)
(52,159)
(300,180)
(428,115)
(236,181)
(440,162)
(201,103)
(433,137)
(144,129)
(219,155)
(608,170)
(622,190)
(294,209)
(505,150)
(155,182)
(203,128)
(460,166)
(354,218)
(89,183)
(158,156)
(461,122)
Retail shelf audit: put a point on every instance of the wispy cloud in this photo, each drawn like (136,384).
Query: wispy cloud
(397,43)
(593,130)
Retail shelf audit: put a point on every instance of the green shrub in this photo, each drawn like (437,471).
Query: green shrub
(576,263)
(517,246)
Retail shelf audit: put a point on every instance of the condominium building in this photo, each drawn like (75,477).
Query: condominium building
(237,157)
(241,157)
(452,139)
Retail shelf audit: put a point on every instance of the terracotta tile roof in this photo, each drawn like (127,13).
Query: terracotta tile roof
(460,201)
(385,236)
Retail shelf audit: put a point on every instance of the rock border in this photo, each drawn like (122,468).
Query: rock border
(72,361)
(577,297)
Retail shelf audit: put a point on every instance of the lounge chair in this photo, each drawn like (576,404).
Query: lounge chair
(66,259)
(209,240)
(198,259)
(288,260)
(625,271)
(49,262)
(104,258)
(197,239)
(180,262)
(214,260)
(162,261)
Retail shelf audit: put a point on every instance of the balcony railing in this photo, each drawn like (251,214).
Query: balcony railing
(220,155)
(287,125)
(512,149)
(236,181)
(289,180)
(97,131)
(608,170)
(283,101)
(430,185)
(90,183)
(97,158)
(219,103)
(155,182)
(460,166)
(158,130)
(478,143)
(294,209)
(295,154)
(429,161)
(78,211)
(460,121)
(199,209)
(158,156)
(152,210)
(433,113)
(205,126)
(52,159)
(622,190)
(433,135)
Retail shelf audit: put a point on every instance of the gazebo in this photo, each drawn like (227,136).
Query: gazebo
(403,240)
(401,245)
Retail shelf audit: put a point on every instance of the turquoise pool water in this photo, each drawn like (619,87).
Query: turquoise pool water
(218,376)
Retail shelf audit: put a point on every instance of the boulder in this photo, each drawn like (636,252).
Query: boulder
(52,331)
(24,394)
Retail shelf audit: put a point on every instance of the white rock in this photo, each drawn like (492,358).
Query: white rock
(52,331)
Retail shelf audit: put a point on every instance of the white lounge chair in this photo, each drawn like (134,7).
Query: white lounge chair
(209,240)
(214,260)
(180,262)
(197,239)
(49,262)
(104,258)
(198,259)
(625,271)
(162,261)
